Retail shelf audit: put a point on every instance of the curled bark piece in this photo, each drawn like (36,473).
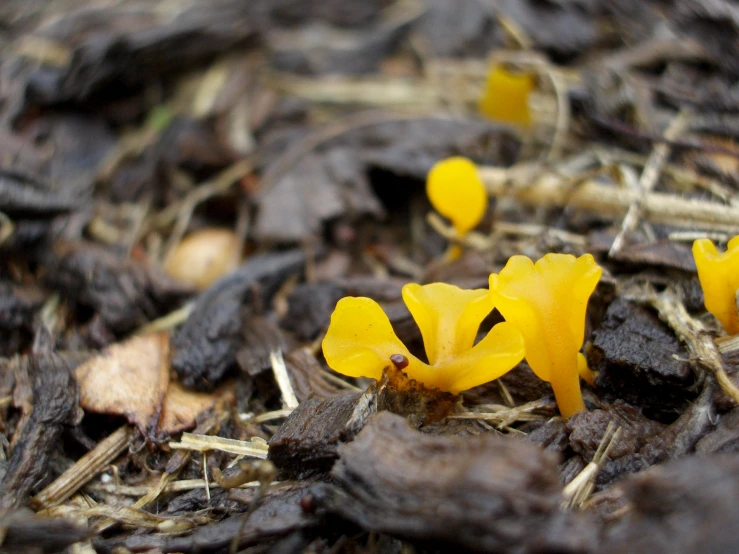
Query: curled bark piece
(482,493)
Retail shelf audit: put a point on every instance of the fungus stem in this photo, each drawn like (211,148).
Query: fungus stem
(453,253)
(566,386)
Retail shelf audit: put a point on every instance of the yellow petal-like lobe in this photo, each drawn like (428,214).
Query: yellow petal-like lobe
(506,96)
(456,191)
(719,277)
(447,316)
(495,355)
(547,302)
(360,339)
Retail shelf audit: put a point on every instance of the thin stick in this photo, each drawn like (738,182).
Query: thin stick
(339,381)
(220,184)
(563,112)
(87,467)
(578,490)
(167,322)
(530,186)
(203,443)
(205,476)
(266,416)
(649,177)
(142,502)
(289,400)
(175,486)
(694,335)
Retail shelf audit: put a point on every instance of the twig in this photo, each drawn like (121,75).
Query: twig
(375,91)
(562,125)
(649,177)
(204,443)
(131,515)
(174,486)
(167,322)
(620,127)
(690,236)
(514,31)
(578,490)
(89,465)
(534,230)
(505,416)
(266,416)
(703,348)
(205,476)
(265,473)
(505,393)
(682,176)
(142,502)
(289,400)
(473,240)
(529,185)
(336,380)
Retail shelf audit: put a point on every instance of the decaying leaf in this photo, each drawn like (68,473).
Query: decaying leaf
(128,379)
(303,191)
(132,379)
(182,407)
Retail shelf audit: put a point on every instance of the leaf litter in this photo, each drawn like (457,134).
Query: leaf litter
(142,413)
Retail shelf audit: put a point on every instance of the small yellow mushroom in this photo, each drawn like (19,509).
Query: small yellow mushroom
(719,277)
(360,340)
(506,96)
(547,302)
(456,191)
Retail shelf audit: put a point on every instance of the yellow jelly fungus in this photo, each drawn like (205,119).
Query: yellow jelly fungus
(719,277)
(456,191)
(360,339)
(547,302)
(506,96)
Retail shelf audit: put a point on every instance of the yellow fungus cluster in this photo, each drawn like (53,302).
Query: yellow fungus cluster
(544,305)
(360,340)
(719,277)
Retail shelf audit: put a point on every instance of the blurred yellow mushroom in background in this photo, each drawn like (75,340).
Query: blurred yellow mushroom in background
(456,191)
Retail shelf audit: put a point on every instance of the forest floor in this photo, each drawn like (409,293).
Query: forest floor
(188,188)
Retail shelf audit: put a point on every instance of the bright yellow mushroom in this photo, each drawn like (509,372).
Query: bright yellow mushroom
(547,302)
(719,277)
(360,340)
(456,191)
(506,96)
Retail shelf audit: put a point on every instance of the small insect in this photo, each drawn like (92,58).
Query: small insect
(399,361)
